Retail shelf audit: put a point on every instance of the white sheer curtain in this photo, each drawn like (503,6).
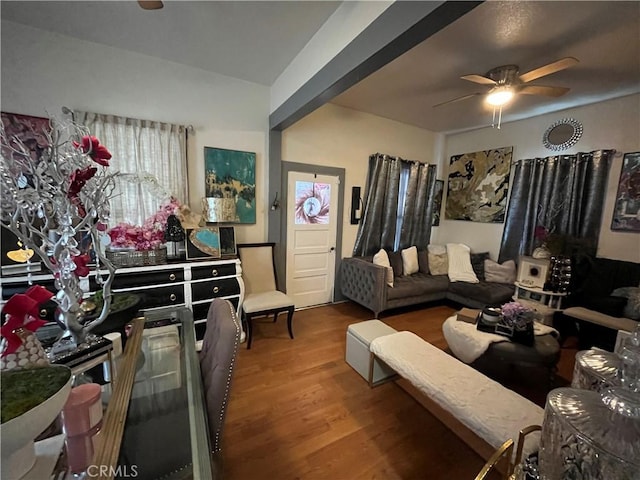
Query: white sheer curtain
(152,156)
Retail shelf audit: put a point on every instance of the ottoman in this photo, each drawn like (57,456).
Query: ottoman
(464,337)
(359,338)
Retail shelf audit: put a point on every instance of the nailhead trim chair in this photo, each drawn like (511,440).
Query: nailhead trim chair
(217,359)
(262,298)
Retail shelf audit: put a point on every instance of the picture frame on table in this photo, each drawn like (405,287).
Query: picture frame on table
(202,243)
(532,272)
(227,241)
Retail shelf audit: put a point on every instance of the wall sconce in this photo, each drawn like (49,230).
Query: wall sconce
(356,205)
(276,203)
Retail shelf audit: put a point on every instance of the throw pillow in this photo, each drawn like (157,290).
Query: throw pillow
(395,259)
(632,294)
(436,249)
(438,264)
(500,273)
(477,262)
(423,262)
(410,261)
(381,258)
(459,257)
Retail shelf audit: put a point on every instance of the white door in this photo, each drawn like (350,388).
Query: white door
(312,207)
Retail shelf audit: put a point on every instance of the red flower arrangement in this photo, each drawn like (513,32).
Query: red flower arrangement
(148,236)
(22,312)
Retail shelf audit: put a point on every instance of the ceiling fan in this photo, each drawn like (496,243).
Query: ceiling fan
(505,82)
(150,5)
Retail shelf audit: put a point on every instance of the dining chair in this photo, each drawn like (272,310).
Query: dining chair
(217,358)
(504,453)
(262,297)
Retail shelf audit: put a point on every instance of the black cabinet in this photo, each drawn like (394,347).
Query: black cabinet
(193,285)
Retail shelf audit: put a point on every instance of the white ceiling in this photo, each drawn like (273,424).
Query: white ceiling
(255,41)
(603,36)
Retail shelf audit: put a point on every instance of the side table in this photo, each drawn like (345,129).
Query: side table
(545,302)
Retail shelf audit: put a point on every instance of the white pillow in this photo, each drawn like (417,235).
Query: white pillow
(436,249)
(460,269)
(410,263)
(500,273)
(381,258)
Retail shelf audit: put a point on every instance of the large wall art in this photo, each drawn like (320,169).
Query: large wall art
(230,186)
(478,185)
(626,215)
(30,130)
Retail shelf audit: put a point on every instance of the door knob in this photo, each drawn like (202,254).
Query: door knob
(332,249)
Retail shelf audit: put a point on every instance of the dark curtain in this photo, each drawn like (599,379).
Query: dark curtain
(418,206)
(380,216)
(564,193)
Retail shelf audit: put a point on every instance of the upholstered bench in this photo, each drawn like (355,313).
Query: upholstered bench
(359,337)
(479,410)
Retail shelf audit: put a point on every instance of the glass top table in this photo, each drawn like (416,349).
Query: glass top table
(155,423)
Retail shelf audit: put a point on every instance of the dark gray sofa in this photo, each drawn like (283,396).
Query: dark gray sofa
(364,282)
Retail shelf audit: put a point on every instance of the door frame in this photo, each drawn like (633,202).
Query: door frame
(282,259)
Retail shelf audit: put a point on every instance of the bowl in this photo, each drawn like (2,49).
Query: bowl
(491,315)
(17,433)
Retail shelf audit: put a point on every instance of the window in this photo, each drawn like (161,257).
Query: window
(151,156)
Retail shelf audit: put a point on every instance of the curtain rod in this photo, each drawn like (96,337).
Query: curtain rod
(69,111)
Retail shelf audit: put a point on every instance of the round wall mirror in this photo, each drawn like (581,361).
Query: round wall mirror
(562,134)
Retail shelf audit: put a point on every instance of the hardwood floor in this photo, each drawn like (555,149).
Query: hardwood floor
(299,411)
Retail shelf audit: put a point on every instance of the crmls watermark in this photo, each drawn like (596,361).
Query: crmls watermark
(121,471)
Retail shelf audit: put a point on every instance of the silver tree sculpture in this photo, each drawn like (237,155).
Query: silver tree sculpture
(47,201)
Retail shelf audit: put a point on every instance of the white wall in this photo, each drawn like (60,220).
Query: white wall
(610,124)
(340,137)
(41,71)
(346,23)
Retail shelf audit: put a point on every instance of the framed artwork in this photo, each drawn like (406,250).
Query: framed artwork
(532,272)
(30,130)
(437,202)
(203,243)
(227,241)
(312,203)
(478,185)
(626,214)
(230,186)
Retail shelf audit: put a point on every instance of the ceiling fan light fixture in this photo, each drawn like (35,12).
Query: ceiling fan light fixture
(499,96)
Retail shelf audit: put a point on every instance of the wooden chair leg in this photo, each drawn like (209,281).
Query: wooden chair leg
(290,320)
(249,321)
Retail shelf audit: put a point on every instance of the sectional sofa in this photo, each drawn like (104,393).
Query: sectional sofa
(365,283)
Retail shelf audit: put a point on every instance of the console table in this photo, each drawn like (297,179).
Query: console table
(189,284)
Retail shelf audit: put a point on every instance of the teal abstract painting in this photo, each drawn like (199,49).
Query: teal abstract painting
(230,186)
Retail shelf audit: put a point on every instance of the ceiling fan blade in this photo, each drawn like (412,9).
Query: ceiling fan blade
(453,100)
(478,79)
(150,4)
(543,90)
(548,69)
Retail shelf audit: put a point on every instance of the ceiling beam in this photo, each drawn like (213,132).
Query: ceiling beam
(399,28)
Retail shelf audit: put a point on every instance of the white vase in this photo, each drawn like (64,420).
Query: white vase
(17,435)
(541,252)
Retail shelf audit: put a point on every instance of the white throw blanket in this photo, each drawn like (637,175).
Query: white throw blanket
(467,342)
(491,411)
